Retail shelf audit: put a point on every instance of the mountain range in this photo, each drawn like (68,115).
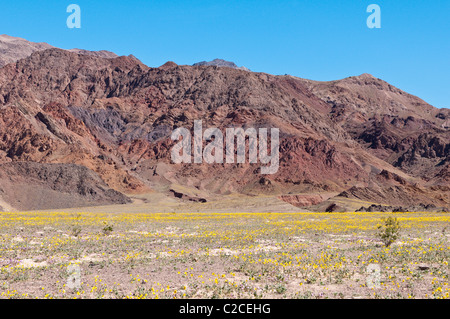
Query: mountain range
(84,128)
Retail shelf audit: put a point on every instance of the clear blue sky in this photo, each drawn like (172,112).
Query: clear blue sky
(320,40)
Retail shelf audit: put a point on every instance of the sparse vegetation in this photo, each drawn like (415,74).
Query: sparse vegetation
(389,232)
(76,229)
(107,228)
(199,255)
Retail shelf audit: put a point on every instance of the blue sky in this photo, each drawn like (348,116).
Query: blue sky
(320,40)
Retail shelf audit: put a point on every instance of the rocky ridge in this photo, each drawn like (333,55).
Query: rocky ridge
(359,138)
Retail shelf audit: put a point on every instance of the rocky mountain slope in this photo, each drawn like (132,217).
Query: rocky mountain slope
(28,185)
(13,49)
(355,138)
(395,126)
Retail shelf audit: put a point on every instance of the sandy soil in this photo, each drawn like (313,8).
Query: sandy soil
(222,255)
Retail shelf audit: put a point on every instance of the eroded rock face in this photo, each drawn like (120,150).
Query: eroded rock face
(391,124)
(302,200)
(114,116)
(30,186)
(391,189)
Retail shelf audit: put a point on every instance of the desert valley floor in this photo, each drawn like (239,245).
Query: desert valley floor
(234,248)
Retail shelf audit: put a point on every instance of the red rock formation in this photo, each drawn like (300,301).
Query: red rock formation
(115,116)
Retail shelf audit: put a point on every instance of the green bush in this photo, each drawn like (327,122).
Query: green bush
(389,232)
(107,228)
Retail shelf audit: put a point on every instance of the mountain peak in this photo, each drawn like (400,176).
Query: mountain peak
(101,54)
(221,63)
(168,65)
(366,76)
(13,49)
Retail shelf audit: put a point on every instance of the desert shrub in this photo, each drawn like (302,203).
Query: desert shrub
(76,229)
(389,232)
(107,228)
